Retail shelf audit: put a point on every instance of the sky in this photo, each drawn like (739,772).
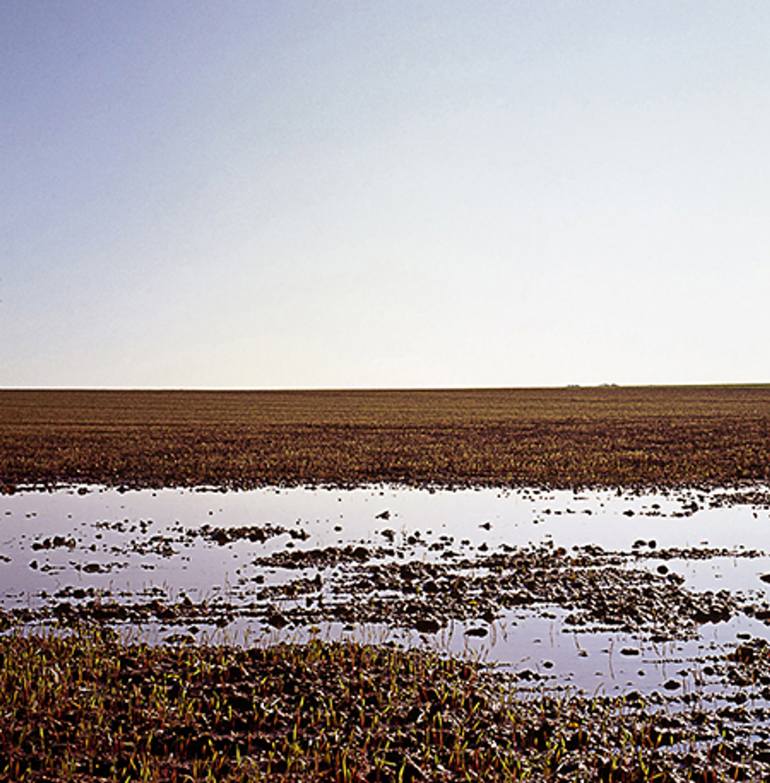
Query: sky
(384,194)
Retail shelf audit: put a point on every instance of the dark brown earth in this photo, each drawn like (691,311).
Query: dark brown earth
(643,436)
(90,707)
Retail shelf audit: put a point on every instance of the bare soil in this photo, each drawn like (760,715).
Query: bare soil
(570,437)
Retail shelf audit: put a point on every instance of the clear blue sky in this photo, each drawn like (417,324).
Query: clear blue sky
(315,194)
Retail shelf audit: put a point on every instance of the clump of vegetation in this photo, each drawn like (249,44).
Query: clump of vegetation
(88,706)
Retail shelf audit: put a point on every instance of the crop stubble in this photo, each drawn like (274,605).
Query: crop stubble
(605,436)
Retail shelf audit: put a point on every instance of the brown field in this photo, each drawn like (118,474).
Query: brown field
(607,436)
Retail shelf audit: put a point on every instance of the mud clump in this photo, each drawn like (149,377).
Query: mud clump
(227,535)
(323,557)
(54,542)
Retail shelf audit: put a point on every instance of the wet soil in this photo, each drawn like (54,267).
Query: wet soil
(687,658)
(92,707)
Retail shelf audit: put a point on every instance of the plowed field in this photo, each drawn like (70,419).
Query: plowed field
(643,436)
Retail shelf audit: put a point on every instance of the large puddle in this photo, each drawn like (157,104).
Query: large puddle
(598,591)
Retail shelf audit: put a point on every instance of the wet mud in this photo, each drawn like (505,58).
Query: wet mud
(645,612)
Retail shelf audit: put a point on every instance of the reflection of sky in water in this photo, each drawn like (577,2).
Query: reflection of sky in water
(525,643)
(523,640)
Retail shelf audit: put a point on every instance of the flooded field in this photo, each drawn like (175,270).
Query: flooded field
(207,605)
(603,591)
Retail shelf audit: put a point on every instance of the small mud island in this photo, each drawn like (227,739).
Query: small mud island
(491,585)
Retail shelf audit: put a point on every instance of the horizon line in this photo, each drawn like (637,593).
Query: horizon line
(285,389)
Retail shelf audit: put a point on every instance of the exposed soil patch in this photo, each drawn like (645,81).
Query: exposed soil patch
(227,535)
(598,592)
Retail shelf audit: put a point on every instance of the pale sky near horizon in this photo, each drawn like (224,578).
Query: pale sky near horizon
(384,194)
